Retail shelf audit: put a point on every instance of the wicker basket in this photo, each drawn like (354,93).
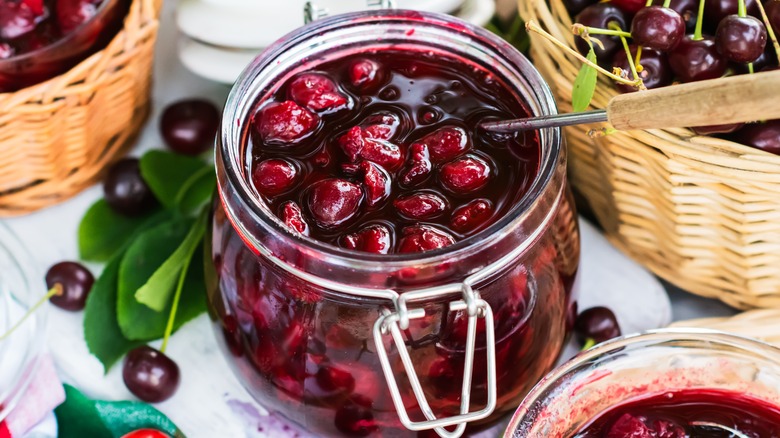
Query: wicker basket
(700,212)
(57,136)
(763,324)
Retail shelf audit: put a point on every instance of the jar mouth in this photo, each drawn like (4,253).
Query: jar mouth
(553,385)
(523,78)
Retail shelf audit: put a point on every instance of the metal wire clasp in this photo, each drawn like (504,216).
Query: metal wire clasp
(314,10)
(395,322)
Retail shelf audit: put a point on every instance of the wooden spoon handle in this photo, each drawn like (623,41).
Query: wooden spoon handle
(735,99)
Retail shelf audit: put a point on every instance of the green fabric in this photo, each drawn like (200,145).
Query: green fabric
(80,417)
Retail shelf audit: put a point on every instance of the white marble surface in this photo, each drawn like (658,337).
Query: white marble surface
(210,402)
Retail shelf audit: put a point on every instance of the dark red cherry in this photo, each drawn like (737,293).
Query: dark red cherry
(697,60)
(717,10)
(381,126)
(630,6)
(657,28)
(471,215)
(419,167)
(355,417)
(190,126)
(717,129)
(76,282)
(274,176)
(292,216)
(597,323)
(655,68)
(764,136)
(317,92)
(767,60)
(600,15)
(358,143)
(73,13)
(688,10)
(772,8)
(464,175)
(446,143)
(16,19)
(125,190)
(420,238)
(420,206)
(374,238)
(365,74)
(574,7)
(150,375)
(334,201)
(284,122)
(333,378)
(741,39)
(376,182)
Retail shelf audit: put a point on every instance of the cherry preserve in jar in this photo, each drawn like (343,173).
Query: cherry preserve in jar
(380,266)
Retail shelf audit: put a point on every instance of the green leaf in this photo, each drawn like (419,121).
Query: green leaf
(146,254)
(104,232)
(156,293)
(584,85)
(197,190)
(166,173)
(101,329)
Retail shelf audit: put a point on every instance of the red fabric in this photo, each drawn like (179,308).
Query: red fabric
(4,432)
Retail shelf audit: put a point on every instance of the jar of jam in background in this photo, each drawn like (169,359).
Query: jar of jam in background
(670,382)
(50,37)
(350,343)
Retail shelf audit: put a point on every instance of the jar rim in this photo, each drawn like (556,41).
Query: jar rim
(498,47)
(644,342)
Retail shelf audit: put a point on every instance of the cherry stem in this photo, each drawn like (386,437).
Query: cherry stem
(531,26)
(769,30)
(638,59)
(751,70)
(697,34)
(742,10)
(667,3)
(56,290)
(649,3)
(579,30)
(589,343)
(629,57)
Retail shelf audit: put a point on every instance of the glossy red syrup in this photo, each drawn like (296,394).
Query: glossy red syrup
(383,154)
(688,414)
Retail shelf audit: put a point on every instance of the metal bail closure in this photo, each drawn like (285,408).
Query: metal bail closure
(394,322)
(313,11)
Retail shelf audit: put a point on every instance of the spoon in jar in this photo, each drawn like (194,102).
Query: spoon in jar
(705,424)
(735,99)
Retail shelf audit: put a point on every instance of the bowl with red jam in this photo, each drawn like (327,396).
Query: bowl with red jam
(379,266)
(677,383)
(40,39)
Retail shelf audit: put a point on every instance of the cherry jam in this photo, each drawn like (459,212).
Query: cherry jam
(381,152)
(688,413)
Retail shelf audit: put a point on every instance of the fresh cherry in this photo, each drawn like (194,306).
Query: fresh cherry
(741,39)
(597,323)
(317,92)
(688,10)
(465,175)
(292,216)
(16,19)
(73,13)
(574,7)
(76,282)
(374,238)
(717,129)
(146,433)
(189,126)
(772,8)
(274,176)
(420,206)
(764,136)
(420,238)
(697,60)
(630,6)
(334,201)
(601,15)
(658,28)
(284,123)
(125,190)
(655,68)
(767,60)
(717,10)
(150,375)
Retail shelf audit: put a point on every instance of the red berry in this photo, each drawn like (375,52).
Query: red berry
(772,8)
(150,375)
(470,216)
(365,74)
(446,143)
(658,28)
(630,6)
(741,39)
(146,433)
(597,323)
(717,10)
(76,282)
(420,206)
(284,122)
(357,143)
(419,166)
(274,176)
(376,181)
(764,136)
(125,190)
(381,126)
(601,15)
(655,69)
(697,60)
(16,19)
(293,218)
(717,129)
(420,238)
(352,143)
(334,201)
(73,13)
(317,92)
(374,239)
(465,175)
(189,126)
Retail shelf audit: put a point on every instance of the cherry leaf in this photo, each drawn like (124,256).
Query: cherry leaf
(584,85)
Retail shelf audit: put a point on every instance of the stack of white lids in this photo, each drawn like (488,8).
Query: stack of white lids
(219,38)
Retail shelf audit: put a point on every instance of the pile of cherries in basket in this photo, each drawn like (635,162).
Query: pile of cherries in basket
(28,25)
(687,41)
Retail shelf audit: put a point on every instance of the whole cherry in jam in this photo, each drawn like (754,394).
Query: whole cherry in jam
(345,153)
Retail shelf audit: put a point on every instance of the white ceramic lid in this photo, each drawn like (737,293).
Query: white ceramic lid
(214,63)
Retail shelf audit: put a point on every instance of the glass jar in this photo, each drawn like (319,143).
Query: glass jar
(639,366)
(350,343)
(52,59)
(21,351)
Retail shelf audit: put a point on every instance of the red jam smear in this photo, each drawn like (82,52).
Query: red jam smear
(379,152)
(671,415)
